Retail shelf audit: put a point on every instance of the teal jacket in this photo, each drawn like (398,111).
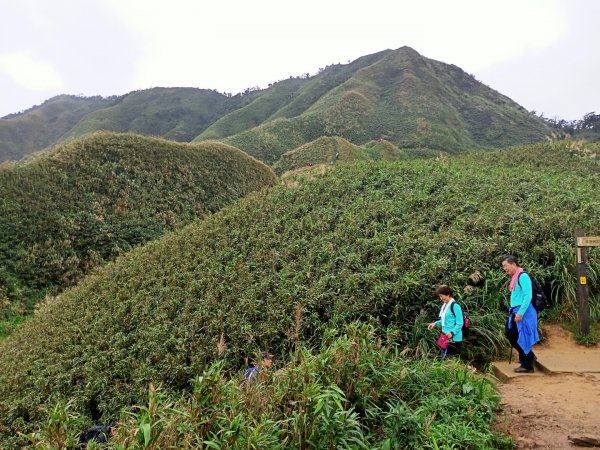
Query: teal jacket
(521,294)
(454,322)
(520,303)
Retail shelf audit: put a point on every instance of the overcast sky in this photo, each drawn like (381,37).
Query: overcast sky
(544,54)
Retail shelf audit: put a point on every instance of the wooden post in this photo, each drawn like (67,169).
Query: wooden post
(582,291)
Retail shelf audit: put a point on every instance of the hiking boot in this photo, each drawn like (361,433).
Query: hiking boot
(522,370)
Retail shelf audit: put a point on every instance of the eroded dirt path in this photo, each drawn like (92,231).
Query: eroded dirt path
(542,412)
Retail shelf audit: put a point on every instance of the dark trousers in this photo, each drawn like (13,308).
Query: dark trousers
(453,350)
(526,359)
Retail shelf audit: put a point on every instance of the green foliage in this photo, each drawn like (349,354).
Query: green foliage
(332,150)
(72,209)
(354,392)
(178,114)
(399,96)
(591,339)
(396,95)
(61,429)
(42,126)
(366,242)
(383,150)
(269,141)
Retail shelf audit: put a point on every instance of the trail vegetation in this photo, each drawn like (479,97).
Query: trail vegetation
(366,242)
(69,211)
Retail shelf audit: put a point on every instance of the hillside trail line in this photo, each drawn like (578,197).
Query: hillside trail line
(544,411)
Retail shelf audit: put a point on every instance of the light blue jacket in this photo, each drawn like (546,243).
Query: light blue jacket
(520,303)
(521,294)
(453,322)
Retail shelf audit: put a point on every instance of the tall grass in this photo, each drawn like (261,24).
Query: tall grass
(367,242)
(81,205)
(354,392)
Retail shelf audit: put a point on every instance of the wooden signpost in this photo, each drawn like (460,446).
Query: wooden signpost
(582,242)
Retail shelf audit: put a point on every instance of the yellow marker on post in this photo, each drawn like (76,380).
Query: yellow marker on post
(582,280)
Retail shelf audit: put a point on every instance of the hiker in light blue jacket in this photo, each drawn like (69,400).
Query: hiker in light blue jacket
(451,321)
(521,325)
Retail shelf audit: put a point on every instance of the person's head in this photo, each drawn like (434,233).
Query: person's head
(510,264)
(444,292)
(266,359)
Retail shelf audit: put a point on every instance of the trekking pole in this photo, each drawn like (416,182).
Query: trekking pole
(510,355)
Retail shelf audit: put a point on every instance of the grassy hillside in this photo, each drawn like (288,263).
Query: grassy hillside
(286,99)
(332,150)
(268,142)
(84,203)
(365,242)
(177,114)
(396,95)
(41,126)
(257,111)
(399,96)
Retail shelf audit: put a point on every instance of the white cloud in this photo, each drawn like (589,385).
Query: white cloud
(114,46)
(233,44)
(30,72)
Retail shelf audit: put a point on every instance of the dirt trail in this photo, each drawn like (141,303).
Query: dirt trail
(542,412)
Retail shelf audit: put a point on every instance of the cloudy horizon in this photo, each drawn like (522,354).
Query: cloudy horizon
(540,53)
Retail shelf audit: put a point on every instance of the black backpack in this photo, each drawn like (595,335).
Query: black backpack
(98,434)
(465,328)
(538,298)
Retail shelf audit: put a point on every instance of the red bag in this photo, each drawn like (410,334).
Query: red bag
(443,341)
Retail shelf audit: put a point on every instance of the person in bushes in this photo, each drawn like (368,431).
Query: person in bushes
(99,434)
(521,325)
(450,321)
(255,370)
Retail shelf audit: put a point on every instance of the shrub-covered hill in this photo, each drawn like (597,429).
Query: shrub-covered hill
(178,114)
(398,95)
(41,126)
(362,242)
(82,204)
(335,150)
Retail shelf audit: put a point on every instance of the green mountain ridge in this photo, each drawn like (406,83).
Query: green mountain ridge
(286,99)
(397,95)
(42,126)
(407,99)
(178,114)
(366,242)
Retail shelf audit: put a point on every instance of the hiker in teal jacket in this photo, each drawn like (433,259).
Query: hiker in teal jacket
(521,325)
(451,321)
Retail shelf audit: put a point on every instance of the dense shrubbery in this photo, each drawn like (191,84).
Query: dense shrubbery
(269,141)
(70,210)
(354,393)
(366,242)
(42,126)
(333,150)
(178,114)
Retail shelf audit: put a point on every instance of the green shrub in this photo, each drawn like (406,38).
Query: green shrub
(366,242)
(71,210)
(335,150)
(352,392)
